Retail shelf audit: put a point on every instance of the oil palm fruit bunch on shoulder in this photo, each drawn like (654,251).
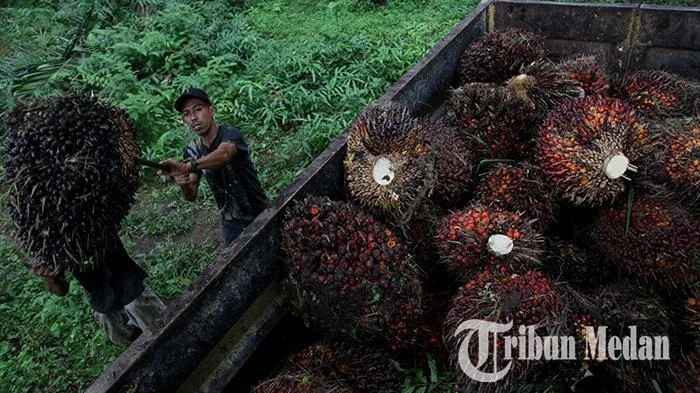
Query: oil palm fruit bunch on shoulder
(350,274)
(303,382)
(542,86)
(661,246)
(480,237)
(364,369)
(518,188)
(495,121)
(678,142)
(71,176)
(498,55)
(586,146)
(655,93)
(527,299)
(454,163)
(388,169)
(587,70)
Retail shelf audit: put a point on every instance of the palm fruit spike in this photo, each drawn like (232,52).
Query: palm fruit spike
(299,383)
(496,122)
(499,55)
(680,141)
(661,243)
(587,71)
(349,273)
(518,188)
(361,368)
(388,170)
(480,237)
(454,163)
(586,146)
(528,299)
(72,175)
(543,86)
(564,261)
(656,93)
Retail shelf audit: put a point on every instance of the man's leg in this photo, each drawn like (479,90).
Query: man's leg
(116,326)
(231,229)
(144,309)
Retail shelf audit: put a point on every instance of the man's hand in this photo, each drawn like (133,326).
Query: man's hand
(55,282)
(186,179)
(173,168)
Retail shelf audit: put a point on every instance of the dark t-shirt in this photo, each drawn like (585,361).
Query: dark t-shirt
(235,186)
(114,280)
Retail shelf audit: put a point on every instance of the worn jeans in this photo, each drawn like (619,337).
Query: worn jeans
(121,326)
(231,229)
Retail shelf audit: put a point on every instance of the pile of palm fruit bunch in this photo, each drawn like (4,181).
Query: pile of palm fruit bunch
(545,192)
(71,177)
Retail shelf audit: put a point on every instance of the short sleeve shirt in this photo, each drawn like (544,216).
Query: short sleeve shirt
(236,187)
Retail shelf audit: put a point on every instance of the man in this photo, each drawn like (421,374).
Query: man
(221,155)
(122,304)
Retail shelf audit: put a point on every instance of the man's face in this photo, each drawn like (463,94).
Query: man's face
(198,115)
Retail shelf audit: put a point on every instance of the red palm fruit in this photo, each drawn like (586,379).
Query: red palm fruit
(454,163)
(498,55)
(479,237)
(496,123)
(587,71)
(528,299)
(361,368)
(661,244)
(542,86)
(299,383)
(350,274)
(679,145)
(518,188)
(656,93)
(388,171)
(586,146)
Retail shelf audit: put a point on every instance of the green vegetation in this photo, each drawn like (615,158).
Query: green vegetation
(291,74)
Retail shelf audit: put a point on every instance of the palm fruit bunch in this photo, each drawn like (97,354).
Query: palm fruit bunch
(527,299)
(494,120)
(587,71)
(661,246)
(586,146)
(518,188)
(656,93)
(300,383)
(478,237)
(542,86)
(361,368)
(454,163)
(679,140)
(349,273)
(498,56)
(388,171)
(71,173)
(564,261)
(692,316)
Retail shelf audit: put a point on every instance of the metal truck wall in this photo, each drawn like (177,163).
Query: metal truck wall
(628,36)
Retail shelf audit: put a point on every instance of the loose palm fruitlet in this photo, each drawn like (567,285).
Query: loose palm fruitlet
(657,93)
(494,120)
(71,170)
(349,273)
(480,237)
(454,163)
(498,56)
(528,299)
(587,71)
(388,171)
(679,145)
(300,383)
(661,247)
(585,147)
(542,86)
(362,368)
(518,188)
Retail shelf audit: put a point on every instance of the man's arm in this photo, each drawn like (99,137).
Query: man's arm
(56,283)
(218,158)
(189,185)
